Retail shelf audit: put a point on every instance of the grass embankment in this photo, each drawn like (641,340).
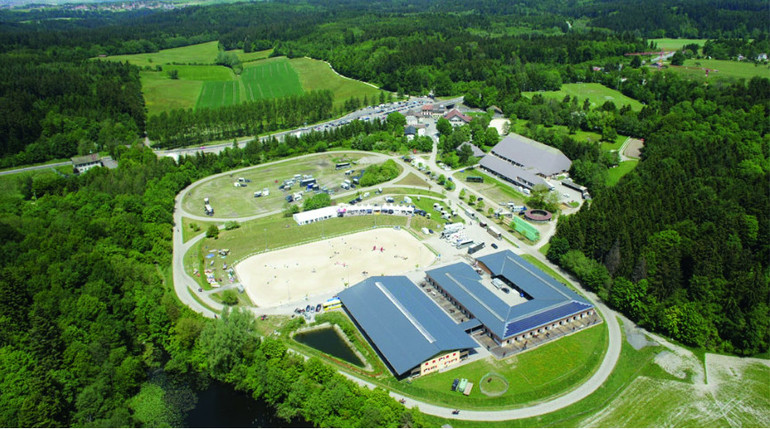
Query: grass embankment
(596,93)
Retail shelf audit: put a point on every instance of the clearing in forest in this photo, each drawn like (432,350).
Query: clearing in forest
(596,93)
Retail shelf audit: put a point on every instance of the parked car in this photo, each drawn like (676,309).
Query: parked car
(494,246)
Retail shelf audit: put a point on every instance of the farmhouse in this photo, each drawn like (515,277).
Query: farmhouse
(524,161)
(511,299)
(457,118)
(412,335)
(475,149)
(81,164)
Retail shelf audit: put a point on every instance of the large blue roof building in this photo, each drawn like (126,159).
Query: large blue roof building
(409,331)
(502,295)
(512,299)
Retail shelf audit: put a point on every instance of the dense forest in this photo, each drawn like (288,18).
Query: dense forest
(91,334)
(682,244)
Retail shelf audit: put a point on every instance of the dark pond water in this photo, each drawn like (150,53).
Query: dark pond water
(328,341)
(221,406)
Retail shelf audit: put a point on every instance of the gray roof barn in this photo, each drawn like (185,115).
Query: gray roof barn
(476,150)
(525,152)
(512,173)
(406,327)
(548,301)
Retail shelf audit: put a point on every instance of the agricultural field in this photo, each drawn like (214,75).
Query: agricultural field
(597,93)
(722,69)
(676,44)
(201,84)
(203,53)
(263,79)
(229,201)
(318,75)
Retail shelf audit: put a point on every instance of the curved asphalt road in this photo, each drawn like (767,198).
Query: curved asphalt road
(186,286)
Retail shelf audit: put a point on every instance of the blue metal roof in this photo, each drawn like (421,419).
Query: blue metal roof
(550,301)
(405,325)
(545,317)
(470,324)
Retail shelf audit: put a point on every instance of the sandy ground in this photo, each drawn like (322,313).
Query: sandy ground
(500,124)
(293,274)
(633,150)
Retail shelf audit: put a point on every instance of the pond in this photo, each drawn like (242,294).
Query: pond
(329,341)
(222,406)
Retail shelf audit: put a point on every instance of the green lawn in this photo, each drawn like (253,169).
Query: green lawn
(722,69)
(202,73)
(676,44)
(535,375)
(492,188)
(231,202)
(162,93)
(188,232)
(412,179)
(203,84)
(614,174)
(317,75)
(597,93)
(204,53)
(252,56)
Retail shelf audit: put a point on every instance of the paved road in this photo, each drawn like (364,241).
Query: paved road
(35,167)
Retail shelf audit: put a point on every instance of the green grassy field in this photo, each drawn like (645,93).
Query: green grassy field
(207,85)
(252,56)
(614,174)
(271,78)
(412,179)
(162,93)
(317,75)
(597,93)
(202,73)
(492,188)
(204,53)
(532,376)
(676,44)
(231,202)
(722,69)
(520,125)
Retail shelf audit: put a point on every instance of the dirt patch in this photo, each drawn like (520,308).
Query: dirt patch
(633,148)
(636,338)
(500,124)
(289,275)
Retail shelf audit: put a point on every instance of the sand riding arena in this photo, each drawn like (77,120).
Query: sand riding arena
(326,267)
